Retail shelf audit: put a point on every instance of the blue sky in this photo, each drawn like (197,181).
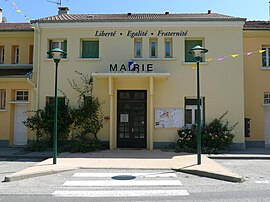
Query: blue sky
(34,9)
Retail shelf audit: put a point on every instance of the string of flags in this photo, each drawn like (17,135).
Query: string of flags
(230,56)
(18,10)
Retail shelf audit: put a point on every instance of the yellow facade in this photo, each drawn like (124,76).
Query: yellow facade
(14,82)
(172,79)
(256,84)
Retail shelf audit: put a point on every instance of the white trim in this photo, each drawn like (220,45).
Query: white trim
(154,59)
(165,24)
(88,59)
(130,75)
(265,68)
(194,63)
(62,59)
(18,102)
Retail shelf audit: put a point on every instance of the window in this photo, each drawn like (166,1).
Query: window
(50,101)
(90,49)
(153,47)
(191,111)
(168,48)
(138,47)
(22,95)
(189,44)
(266,98)
(2,54)
(266,57)
(31,51)
(60,43)
(15,55)
(3,99)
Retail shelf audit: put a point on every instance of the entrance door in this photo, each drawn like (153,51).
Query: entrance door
(131,119)
(20,130)
(267,126)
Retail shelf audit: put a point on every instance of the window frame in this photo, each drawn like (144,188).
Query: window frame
(153,49)
(62,44)
(168,40)
(187,50)
(193,107)
(3,99)
(2,54)
(90,40)
(266,54)
(266,98)
(138,41)
(24,96)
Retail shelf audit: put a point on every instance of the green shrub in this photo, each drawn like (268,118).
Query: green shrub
(215,136)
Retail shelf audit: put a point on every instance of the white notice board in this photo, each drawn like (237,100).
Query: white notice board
(169,118)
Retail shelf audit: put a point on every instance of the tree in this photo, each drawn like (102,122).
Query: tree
(88,117)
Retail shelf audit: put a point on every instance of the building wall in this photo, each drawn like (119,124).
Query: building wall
(256,82)
(221,82)
(21,39)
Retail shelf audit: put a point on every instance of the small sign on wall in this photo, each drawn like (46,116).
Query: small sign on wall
(169,118)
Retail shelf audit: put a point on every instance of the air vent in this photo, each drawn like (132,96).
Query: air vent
(167,13)
(129,14)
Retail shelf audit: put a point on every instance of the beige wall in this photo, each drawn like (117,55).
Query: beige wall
(256,82)
(21,39)
(7,116)
(221,82)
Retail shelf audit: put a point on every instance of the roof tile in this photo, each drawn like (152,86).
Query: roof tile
(15,27)
(257,25)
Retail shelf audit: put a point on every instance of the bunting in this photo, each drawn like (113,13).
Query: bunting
(235,55)
(18,10)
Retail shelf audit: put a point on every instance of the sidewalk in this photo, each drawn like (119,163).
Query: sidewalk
(129,159)
(23,153)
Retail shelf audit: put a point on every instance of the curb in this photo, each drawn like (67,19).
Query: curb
(25,157)
(241,157)
(39,174)
(216,176)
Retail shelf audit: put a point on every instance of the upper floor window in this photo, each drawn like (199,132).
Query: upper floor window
(90,48)
(138,47)
(31,52)
(2,54)
(22,95)
(15,55)
(266,98)
(189,44)
(58,43)
(3,99)
(266,57)
(168,48)
(153,47)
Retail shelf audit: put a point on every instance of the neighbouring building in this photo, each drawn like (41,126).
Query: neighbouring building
(257,82)
(143,71)
(16,89)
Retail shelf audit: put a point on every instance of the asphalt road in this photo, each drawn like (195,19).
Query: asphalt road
(148,185)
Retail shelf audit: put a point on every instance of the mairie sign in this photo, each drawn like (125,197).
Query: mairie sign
(131,67)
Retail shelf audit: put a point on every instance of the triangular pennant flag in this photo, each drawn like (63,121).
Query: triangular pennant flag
(249,53)
(18,11)
(221,58)
(209,60)
(194,66)
(235,55)
(261,51)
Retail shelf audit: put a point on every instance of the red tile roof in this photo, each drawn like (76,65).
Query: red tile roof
(15,27)
(138,17)
(257,25)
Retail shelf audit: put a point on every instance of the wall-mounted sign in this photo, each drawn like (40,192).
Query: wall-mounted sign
(131,67)
(169,118)
(141,33)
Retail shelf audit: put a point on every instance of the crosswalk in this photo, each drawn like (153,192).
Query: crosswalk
(143,184)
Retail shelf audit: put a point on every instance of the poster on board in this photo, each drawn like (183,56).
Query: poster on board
(169,118)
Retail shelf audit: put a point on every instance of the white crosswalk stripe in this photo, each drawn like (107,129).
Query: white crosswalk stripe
(90,183)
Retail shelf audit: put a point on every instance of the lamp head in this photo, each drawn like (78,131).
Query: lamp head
(56,53)
(198,52)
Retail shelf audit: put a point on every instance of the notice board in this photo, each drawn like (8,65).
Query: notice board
(169,118)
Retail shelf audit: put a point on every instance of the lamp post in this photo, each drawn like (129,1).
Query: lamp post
(198,53)
(56,54)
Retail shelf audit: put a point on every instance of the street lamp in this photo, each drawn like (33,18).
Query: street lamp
(56,54)
(198,53)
